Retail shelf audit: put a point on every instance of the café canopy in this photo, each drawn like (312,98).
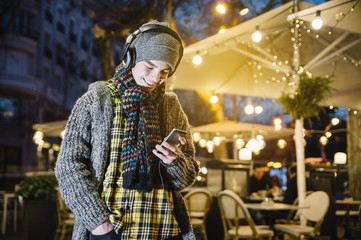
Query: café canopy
(233,63)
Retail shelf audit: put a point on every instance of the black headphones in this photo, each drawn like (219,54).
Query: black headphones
(128,56)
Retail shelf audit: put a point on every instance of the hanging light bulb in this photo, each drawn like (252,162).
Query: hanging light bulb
(217,141)
(317,22)
(210,146)
(221,8)
(281,143)
(214,98)
(335,121)
(222,30)
(197,59)
(239,143)
(244,11)
(323,140)
(202,143)
(249,109)
(258,109)
(196,137)
(257,35)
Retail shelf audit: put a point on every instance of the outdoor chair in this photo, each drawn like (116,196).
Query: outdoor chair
(66,219)
(236,219)
(315,208)
(293,216)
(198,202)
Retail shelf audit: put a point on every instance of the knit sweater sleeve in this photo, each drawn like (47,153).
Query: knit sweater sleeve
(75,170)
(183,171)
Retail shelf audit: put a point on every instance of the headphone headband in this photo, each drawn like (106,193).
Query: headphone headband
(128,55)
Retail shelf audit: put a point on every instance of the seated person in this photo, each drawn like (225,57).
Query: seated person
(259,182)
(291,193)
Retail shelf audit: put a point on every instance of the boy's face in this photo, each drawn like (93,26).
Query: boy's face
(150,74)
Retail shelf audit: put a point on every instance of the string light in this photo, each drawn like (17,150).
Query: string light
(197,59)
(281,143)
(221,8)
(244,11)
(214,99)
(335,121)
(257,35)
(317,22)
(222,30)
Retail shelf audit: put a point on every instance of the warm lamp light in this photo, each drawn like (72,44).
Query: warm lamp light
(281,143)
(317,22)
(239,143)
(221,8)
(323,140)
(244,11)
(202,143)
(197,59)
(249,109)
(196,137)
(258,109)
(214,99)
(340,158)
(222,30)
(335,121)
(245,154)
(257,35)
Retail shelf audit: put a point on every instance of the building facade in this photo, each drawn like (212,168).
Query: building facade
(48,57)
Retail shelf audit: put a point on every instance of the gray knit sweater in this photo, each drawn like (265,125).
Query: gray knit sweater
(83,159)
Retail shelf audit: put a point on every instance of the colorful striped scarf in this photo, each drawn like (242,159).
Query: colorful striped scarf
(141,133)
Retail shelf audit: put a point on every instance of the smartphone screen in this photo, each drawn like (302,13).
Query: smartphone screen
(173,136)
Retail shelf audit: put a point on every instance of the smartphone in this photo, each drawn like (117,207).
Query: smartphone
(173,136)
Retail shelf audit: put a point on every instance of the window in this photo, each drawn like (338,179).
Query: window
(8,110)
(10,159)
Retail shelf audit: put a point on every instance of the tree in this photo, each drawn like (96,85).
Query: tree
(114,20)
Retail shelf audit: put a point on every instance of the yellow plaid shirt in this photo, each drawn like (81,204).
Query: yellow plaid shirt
(138,215)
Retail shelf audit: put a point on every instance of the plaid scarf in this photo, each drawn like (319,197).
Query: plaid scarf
(141,133)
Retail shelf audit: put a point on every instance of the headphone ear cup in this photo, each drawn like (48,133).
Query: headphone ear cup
(131,54)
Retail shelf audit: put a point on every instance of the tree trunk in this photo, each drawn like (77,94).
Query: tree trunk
(354,154)
(300,156)
(106,51)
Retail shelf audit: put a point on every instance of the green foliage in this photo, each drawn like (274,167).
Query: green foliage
(305,101)
(38,187)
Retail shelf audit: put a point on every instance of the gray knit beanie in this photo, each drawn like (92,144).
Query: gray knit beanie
(158,46)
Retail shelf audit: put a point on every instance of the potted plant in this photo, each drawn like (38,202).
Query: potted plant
(40,216)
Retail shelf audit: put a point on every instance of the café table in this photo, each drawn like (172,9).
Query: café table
(349,203)
(6,196)
(272,207)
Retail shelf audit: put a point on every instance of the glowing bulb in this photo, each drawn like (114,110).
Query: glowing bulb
(196,137)
(317,22)
(249,109)
(323,140)
(204,170)
(277,121)
(257,35)
(244,11)
(281,143)
(221,8)
(328,134)
(222,30)
(258,109)
(214,99)
(202,143)
(197,59)
(335,121)
(217,141)
(278,127)
(239,143)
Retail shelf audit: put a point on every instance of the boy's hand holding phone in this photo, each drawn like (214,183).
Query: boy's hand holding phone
(170,148)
